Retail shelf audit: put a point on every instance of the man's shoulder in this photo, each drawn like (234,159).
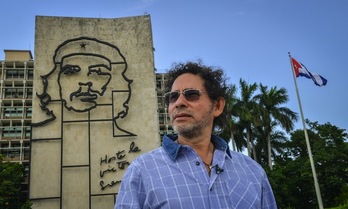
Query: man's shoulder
(245,161)
(153,155)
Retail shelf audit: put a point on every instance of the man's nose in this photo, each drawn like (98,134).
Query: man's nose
(181,101)
(86,84)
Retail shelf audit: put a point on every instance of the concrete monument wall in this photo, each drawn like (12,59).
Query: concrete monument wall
(94,108)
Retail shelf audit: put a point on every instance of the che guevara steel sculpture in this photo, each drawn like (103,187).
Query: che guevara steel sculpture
(83,67)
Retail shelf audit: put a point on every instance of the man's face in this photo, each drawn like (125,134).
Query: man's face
(82,79)
(191,118)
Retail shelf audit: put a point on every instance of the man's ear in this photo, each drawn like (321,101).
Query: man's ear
(219,106)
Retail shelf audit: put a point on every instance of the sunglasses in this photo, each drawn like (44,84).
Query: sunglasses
(190,95)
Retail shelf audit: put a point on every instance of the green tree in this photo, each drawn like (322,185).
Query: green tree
(247,111)
(292,178)
(11,176)
(331,154)
(277,137)
(271,101)
(232,129)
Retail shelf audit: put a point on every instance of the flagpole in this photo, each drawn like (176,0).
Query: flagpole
(316,185)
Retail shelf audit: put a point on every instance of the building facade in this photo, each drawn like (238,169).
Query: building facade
(163,116)
(16,92)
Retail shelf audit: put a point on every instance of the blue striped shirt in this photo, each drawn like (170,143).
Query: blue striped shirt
(174,176)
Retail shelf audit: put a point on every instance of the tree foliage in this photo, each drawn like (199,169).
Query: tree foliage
(11,176)
(292,178)
(255,117)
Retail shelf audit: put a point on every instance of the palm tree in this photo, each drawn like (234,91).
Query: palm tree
(247,111)
(231,129)
(278,139)
(271,101)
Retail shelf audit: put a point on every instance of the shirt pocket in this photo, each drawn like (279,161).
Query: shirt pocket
(243,194)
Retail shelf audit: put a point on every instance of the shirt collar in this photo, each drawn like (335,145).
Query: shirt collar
(172,148)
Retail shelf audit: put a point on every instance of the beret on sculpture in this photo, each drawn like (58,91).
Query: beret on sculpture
(88,47)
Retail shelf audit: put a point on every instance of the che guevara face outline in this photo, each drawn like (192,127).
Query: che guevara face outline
(95,60)
(82,80)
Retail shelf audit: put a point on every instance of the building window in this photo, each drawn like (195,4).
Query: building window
(14,74)
(27,132)
(29,93)
(13,112)
(30,75)
(12,132)
(28,112)
(14,92)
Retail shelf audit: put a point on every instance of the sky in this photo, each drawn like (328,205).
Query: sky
(249,39)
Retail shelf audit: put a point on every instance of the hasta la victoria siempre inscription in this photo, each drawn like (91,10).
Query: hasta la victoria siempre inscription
(114,163)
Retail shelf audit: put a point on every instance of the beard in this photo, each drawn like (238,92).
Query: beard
(195,128)
(191,130)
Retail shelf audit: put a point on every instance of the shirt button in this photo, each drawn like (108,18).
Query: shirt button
(198,163)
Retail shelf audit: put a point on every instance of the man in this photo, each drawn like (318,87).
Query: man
(195,169)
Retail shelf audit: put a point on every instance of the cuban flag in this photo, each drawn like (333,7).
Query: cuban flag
(301,70)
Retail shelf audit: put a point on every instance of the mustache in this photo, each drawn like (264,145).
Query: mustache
(180,113)
(78,93)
